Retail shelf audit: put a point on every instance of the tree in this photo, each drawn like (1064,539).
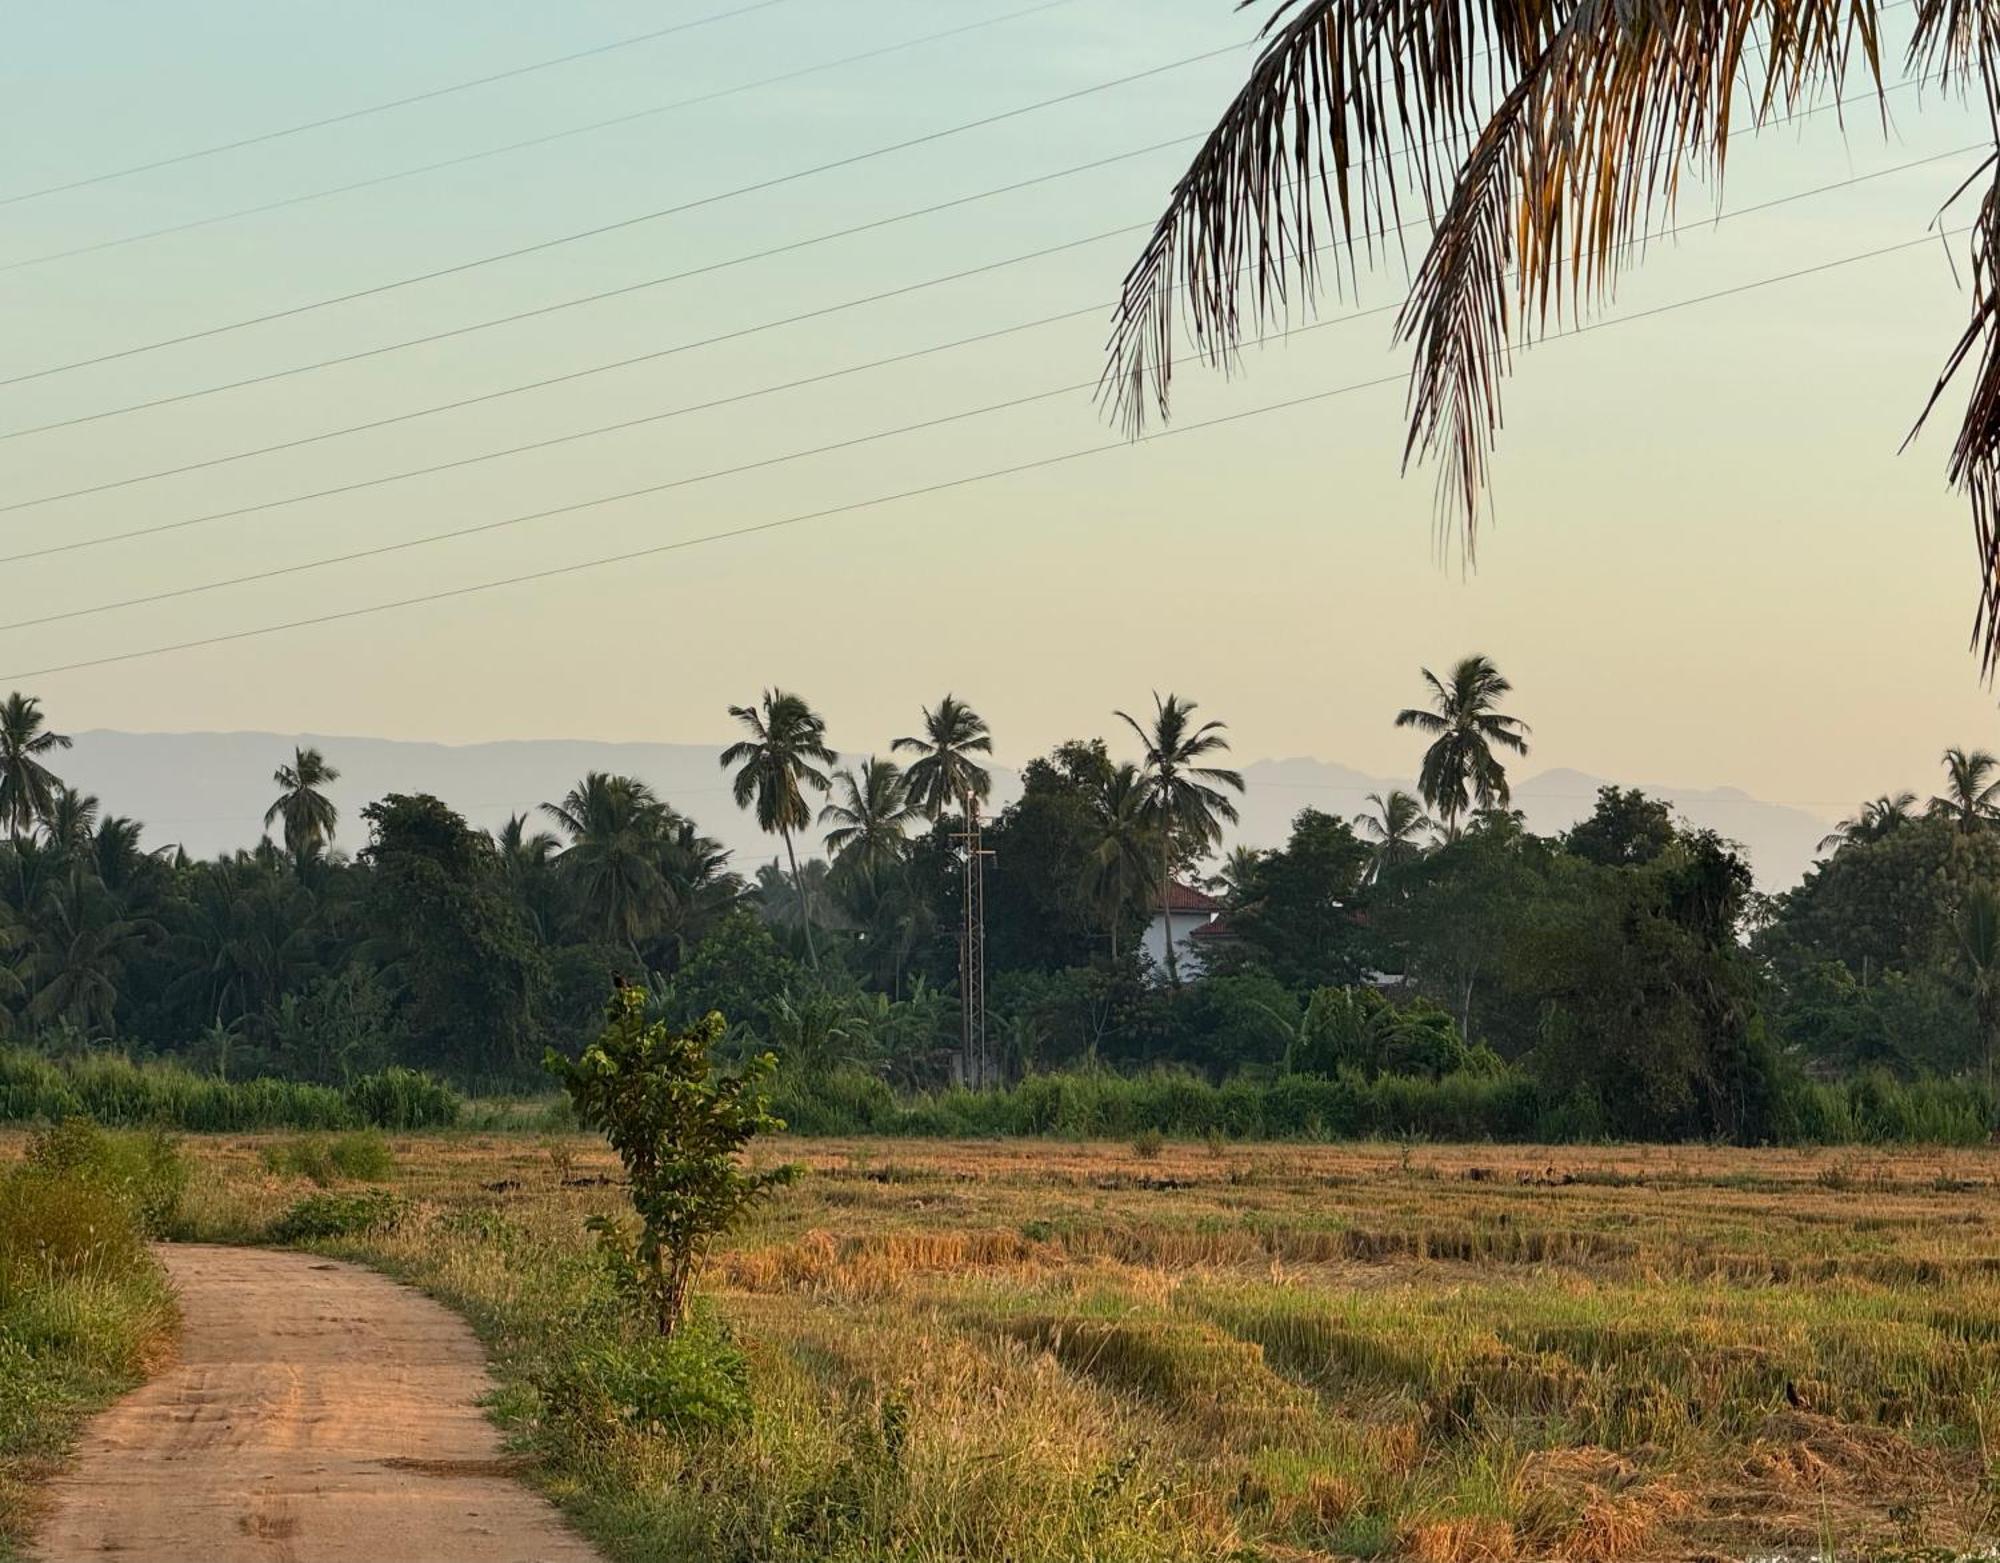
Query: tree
(1123,857)
(787,744)
(679,1129)
(1872,821)
(1971,796)
(1543,142)
(871,820)
(615,825)
(1397,827)
(1301,925)
(1460,768)
(1626,829)
(451,942)
(308,813)
(1185,803)
(27,786)
(946,772)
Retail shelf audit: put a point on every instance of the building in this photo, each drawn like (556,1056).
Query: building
(1193,919)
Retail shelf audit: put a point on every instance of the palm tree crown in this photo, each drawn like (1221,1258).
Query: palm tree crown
(1876,818)
(870,818)
(1460,768)
(614,825)
(780,758)
(1971,796)
(945,772)
(1397,827)
(308,813)
(27,786)
(1185,803)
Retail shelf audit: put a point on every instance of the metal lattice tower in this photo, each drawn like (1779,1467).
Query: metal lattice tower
(972,953)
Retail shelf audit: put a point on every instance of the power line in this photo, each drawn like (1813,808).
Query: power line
(542,245)
(178,397)
(394,103)
(818,68)
(183,523)
(706,269)
(1042,463)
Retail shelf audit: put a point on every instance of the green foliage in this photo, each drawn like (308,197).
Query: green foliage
(361,1157)
(694,1381)
(321,1217)
(115,1091)
(1297,920)
(470,977)
(1626,829)
(1360,1029)
(142,1170)
(679,1130)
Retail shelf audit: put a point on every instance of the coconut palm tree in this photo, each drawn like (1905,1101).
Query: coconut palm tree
(1541,142)
(1971,796)
(780,758)
(27,786)
(1460,768)
(1123,859)
(308,813)
(1236,879)
(71,822)
(1876,818)
(870,819)
(700,885)
(1185,804)
(946,772)
(615,825)
(1397,827)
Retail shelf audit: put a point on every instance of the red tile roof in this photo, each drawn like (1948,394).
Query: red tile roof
(1185,898)
(1216,928)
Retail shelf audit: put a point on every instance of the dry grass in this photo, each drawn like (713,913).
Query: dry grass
(1455,1354)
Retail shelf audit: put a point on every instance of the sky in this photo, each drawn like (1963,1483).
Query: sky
(1709,563)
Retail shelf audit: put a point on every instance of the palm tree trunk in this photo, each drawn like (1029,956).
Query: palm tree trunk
(805,906)
(1167,905)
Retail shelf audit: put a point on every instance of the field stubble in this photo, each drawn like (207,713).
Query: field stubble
(1457,1354)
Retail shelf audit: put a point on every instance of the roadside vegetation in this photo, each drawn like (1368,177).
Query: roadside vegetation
(84,1310)
(1056,1351)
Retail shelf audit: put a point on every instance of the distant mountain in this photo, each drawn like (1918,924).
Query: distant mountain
(208,791)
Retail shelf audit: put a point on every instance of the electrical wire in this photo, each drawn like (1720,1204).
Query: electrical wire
(817,68)
(946,485)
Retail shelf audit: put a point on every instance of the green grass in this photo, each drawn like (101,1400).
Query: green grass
(114,1090)
(362,1156)
(83,1307)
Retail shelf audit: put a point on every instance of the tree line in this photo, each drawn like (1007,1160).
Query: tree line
(1626,965)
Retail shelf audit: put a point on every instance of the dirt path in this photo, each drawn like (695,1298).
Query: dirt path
(317,1413)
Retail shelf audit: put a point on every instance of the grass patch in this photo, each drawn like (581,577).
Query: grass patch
(84,1310)
(360,1157)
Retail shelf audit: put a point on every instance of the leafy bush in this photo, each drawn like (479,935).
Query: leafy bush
(694,1380)
(361,1157)
(142,1170)
(321,1216)
(1147,1144)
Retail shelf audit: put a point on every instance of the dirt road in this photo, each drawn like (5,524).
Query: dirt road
(317,1413)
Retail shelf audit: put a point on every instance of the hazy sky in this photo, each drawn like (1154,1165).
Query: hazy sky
(1711,564)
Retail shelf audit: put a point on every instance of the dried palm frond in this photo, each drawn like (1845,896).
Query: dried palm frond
(1543,138)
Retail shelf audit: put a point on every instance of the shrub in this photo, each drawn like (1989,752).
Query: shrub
(399,1098)
(142,1170)
(318,1217)
(678,1128)
(1148,1143)
(362,1157)
(691,1381)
